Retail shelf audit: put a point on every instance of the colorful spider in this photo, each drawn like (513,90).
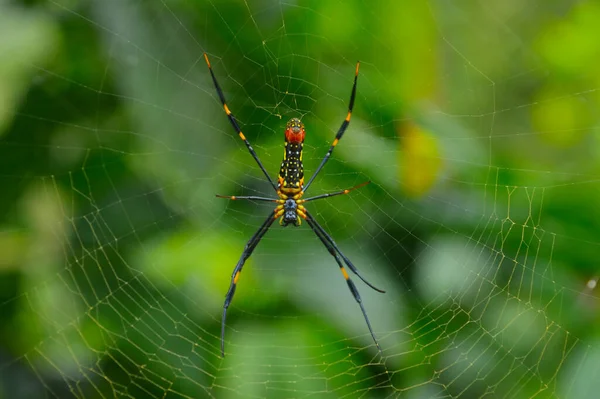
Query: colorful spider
(290,205)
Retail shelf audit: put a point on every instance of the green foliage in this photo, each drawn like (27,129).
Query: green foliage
(475,121)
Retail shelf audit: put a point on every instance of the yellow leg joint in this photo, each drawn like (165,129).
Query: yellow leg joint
(345,273)
(236,278)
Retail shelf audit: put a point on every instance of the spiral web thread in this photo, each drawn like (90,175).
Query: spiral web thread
(130,254)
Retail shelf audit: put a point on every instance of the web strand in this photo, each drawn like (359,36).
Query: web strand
(477,139)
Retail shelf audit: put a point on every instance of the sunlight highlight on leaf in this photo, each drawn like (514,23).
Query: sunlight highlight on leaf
(420,161)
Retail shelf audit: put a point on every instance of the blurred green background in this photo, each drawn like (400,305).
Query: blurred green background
(477,123)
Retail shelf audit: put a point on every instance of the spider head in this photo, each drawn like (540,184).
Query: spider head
(294,131)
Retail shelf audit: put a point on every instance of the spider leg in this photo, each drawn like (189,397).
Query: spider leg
(333,245)
(248,249)
(341,192)
(341,130)
(248,197)
(235,124)
(319,232)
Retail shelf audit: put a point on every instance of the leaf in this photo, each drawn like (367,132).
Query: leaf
(420,160)
(26,40)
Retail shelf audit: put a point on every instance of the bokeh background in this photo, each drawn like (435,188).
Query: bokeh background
(476,121)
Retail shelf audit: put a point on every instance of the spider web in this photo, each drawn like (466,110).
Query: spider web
(474,121)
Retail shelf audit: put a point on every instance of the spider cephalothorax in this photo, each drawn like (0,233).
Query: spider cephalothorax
(289,209)
(290,213)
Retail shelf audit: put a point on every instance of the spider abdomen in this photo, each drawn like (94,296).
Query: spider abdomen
(291,173)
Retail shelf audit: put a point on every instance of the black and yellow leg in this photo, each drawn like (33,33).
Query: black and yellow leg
(279,211)
(234,122)
(249,197)
(341,192)
(298,195)
(301,211)
(248,249)
(314,226)
(340,132)
(347,261)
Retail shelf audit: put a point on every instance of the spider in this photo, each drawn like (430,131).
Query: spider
(290,208)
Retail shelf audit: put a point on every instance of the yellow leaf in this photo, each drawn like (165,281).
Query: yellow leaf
(420,160)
